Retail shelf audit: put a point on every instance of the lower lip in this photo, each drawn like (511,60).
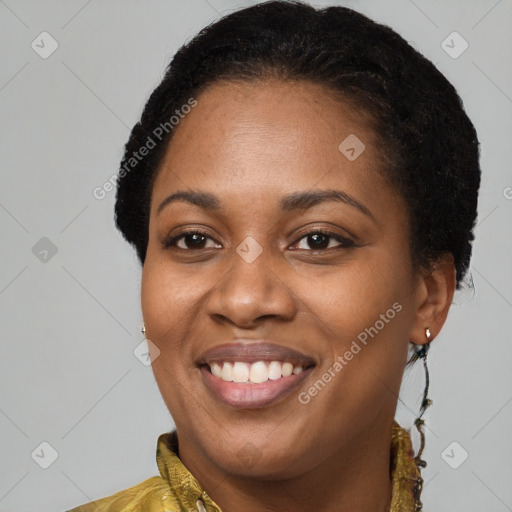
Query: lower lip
(252,396)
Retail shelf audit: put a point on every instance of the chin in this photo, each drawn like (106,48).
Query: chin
(246,456)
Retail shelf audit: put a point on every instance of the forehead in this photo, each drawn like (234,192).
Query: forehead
(264,136)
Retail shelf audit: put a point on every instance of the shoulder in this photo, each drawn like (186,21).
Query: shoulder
(148,496)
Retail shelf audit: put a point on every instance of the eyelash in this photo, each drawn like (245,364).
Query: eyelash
(169,242)
(345,243)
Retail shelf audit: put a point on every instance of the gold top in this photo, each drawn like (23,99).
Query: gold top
(176,490)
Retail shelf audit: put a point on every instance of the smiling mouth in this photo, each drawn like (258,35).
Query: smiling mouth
(258,372)
(251,374)
(245,394)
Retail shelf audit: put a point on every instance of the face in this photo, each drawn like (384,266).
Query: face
(278,284)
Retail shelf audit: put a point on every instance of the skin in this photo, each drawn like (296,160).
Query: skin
(250,144)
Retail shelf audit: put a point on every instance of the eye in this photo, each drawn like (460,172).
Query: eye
(192,240)
(320,239)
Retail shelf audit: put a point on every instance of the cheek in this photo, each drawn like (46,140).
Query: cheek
(355,298)
(363,319)
(169,296)
(170,305)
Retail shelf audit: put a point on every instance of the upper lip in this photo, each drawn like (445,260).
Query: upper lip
(251,351)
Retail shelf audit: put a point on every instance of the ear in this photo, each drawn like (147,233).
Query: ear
(434,295)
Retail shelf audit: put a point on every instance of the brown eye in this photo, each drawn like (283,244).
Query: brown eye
(191,240)
(319,240)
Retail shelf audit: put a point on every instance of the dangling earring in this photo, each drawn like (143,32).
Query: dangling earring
(143,329)
(426,402)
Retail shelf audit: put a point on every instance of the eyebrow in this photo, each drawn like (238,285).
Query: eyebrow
(290,202)
(202,199)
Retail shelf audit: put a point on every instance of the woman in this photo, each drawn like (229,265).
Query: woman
(301,192)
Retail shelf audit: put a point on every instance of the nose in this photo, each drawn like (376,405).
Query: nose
(249,292)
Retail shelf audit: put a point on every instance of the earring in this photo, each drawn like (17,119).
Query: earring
(426,402)
(143,329)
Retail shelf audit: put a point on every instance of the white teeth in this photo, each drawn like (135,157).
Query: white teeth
(216,370)
(274,370)
(259,372)
(240,372)
(256,373)
(227,372)
(287,369)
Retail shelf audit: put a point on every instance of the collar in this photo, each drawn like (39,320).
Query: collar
(406,479)
(404,474)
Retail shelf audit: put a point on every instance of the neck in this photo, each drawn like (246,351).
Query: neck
(355,478)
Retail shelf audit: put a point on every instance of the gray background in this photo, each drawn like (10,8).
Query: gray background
(69,325)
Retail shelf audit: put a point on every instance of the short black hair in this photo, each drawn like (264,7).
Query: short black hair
(429,146)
